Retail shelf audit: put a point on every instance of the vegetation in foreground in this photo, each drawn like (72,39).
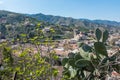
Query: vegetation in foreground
(91,63)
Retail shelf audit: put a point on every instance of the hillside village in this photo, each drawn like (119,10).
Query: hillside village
(86,37)
(65,46)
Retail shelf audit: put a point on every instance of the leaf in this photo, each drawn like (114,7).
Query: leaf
(66,73)
(64,61)
(100,48)
(73,72)
(66,65)
(84,55)
(87,48)
(98,34)
(23,54)
(77,56)
(55,72)
(55,57)
(72,62)
(82,63)
(105,36)
(104,61)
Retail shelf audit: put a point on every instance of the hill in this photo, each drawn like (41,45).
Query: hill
(76,22)
(13,24)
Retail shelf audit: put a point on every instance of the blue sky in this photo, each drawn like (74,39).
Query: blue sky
(90,9)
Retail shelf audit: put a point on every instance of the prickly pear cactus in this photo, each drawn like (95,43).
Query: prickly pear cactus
(90,63)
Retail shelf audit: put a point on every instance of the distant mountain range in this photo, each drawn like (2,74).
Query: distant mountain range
(13,24)
(77,22)
(67,21)
(105,22)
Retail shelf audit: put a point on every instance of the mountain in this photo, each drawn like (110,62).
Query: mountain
(104,22)
(13,17)
(57,19)
(12,25)
(114,23)
(77,22)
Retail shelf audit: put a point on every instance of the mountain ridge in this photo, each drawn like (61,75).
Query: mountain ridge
(17,23)
(68,21)
(57,20)
(75,18)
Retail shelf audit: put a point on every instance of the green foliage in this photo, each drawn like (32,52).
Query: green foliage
(64,61)
(7,56)
(105,36)
(91,63)
(98,34)
(86,48)
(26,65)
(100,48)
(31,66)
(82,63)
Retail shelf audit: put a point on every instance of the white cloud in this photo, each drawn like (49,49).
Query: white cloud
(1,2)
